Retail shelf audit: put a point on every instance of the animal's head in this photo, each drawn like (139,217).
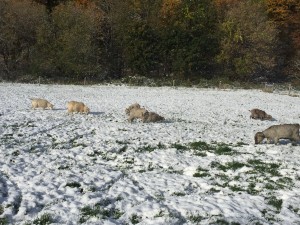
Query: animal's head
(133,106)
(86,110)
(49,105)
(269,117)
(145,113)
(259,137)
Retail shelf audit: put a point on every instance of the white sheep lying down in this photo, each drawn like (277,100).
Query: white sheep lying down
(276,132)
(41,103)
(77,107)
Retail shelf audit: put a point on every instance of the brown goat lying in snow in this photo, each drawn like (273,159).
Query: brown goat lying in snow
(77,107)
(151,117)
(134,111)
(41,103)
(276,132)
(259,114)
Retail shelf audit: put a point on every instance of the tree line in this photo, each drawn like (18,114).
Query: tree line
(240,40)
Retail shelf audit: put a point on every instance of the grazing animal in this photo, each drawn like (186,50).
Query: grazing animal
(133,106)
(41,103)
(151,117)
(276,132)
(134,111)
(260,114)
(77,107)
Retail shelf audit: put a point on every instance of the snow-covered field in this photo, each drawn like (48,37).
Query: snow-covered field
(200,166)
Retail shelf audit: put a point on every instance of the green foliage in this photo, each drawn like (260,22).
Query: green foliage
(248,42)
(186,41)
(141,51)
(189,43)
(18,23)
(64,42)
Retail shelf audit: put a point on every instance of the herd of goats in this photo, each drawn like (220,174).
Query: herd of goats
(135,111)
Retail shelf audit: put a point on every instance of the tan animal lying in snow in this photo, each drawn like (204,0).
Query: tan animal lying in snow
(276,132)
(151,117)
(133,106)
(41,103)
(259,114)
(134,111)
(77,107)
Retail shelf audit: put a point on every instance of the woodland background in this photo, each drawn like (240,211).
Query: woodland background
(103,40)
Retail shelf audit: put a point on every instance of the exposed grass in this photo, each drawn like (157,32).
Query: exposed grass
(88,212)
(234,165)
(99,211)
(3,221)
(135,219)
(224,222)
(195,218)
(42,220)
(147,148)
(201,146)
(201,172)
(224,149)
(262,167)
(73,185)
(276,203)
(179,194)
(179,146)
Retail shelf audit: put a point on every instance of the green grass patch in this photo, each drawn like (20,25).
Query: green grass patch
(195,218)
(236,188)
(178,194)
(147,148)
(223,222)
(201,146)
(276,203)
(201,172)
(179,146)
(3,221)
(44,219)
(99,211)
(1,209)
(262,167)
(135,219)
(234,165)
(224,149)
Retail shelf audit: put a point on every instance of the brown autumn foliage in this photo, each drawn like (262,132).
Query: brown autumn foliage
(184,38)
